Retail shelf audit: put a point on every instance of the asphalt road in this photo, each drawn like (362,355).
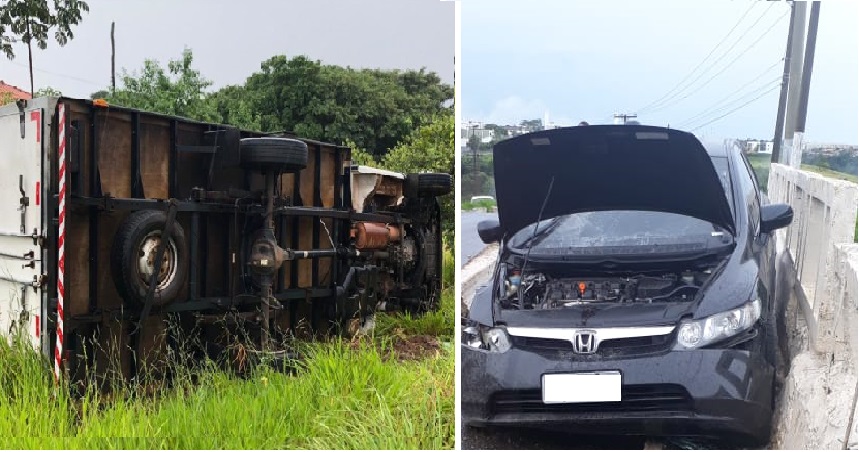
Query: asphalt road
(512,438)
(474,438)
(470,242)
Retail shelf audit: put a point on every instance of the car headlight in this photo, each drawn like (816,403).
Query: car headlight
(481,337)
(699,333)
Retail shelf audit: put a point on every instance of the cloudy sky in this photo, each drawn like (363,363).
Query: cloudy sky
(230,38)
(586,60)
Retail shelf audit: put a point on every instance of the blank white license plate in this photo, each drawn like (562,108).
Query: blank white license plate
(582,387)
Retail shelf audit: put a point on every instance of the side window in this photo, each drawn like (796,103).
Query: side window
(752,174)
(752,195)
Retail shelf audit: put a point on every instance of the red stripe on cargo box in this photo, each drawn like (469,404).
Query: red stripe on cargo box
(61,238)
(36,115)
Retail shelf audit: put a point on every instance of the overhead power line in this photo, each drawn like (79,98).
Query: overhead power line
(723,101)
(714,63)
(731,63)
(701,63)
(729,104)
(736,109)
(57,74)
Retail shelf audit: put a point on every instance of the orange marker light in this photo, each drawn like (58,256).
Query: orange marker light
(99,103)
(581,288)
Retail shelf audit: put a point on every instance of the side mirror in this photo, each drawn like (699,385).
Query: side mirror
(775,216)
(489,231)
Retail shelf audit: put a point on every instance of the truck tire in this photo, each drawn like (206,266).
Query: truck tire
(280,155)
(425,185)
(132,257)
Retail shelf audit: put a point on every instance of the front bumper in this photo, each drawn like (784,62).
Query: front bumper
(691,393)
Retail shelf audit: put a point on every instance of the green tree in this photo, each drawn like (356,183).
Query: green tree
(376,109)
(232,105)
(100,94)
(6,98)
(429,148)
(48,91)
(532,124)
(498,132)
(473,142)
(180,90)
(474,184)
(30,21)
(360,156)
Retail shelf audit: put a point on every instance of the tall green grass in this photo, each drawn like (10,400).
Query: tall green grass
(343,395)
(435,323)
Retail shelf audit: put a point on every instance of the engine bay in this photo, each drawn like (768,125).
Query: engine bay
(544,290)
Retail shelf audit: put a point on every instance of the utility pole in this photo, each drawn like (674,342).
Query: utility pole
(476,167)
(30,55)
(112,60)
(782,97)
(623,117)
(795,78)
(807,67)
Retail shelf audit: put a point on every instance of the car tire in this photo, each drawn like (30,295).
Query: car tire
(425,185)
(281,155)
(134,247)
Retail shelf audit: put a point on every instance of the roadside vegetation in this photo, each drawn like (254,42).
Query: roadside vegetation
(391,390)
(761,166)
(487,204)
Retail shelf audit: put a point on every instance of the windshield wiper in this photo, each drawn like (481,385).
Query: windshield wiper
(538,235)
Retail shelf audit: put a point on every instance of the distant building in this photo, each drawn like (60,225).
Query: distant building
(475,128)
(10,93)
(751,146)
(514,130)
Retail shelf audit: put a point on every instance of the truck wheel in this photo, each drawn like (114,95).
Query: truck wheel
(425,185)
(133,258)
(273,154)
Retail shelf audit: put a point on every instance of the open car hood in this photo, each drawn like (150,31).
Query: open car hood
(606,167)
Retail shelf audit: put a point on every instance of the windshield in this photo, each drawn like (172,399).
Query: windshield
(614,231)
(721,165)
(624,228)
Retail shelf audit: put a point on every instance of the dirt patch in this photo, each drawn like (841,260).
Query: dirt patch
(406,347)
(410,348)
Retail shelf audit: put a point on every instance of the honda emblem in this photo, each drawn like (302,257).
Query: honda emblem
(585,342)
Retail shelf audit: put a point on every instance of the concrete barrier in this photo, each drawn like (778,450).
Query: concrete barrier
(825,213)
(817,273)
(476,272)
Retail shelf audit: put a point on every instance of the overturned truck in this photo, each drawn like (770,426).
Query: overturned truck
(123,229)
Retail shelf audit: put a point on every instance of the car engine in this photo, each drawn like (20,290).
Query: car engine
(541,290)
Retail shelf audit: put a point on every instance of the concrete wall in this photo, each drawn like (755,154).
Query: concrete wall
(825,213)
(477,272)
(817,268)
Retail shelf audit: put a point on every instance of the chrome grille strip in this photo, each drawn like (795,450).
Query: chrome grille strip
(599,334)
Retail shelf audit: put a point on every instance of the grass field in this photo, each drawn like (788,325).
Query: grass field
(761,166)
(359,394)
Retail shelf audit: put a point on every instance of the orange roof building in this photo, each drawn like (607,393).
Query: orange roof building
(13,91)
